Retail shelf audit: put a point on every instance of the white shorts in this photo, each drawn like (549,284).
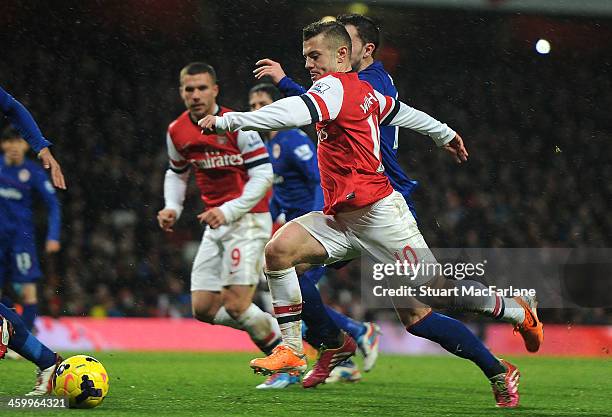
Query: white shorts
(232,254)
(385,230)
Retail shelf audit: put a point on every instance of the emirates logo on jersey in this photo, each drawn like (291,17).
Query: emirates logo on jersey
(214,160)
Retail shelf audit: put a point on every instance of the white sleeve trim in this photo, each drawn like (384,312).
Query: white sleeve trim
(175,186)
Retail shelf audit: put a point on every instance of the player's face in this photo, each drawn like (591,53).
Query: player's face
(359,48)
(199,92)
(14,150)
(259,99)
(321,58)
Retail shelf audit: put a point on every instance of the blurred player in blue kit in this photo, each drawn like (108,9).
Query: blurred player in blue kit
(14,332)
(297,191)
(20,177)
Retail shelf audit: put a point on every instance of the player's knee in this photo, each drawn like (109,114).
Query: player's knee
(236,308)
(278,256)
(204,312)
(236,302)
(414,315)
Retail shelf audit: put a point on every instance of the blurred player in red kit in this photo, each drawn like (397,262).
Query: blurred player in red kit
(234,174)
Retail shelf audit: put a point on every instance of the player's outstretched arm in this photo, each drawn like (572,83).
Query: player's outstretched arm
(21,118)
(274,70)
(282,114)
(395,113)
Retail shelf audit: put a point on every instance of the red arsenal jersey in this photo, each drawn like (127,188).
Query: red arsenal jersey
(220,162)
(348,114)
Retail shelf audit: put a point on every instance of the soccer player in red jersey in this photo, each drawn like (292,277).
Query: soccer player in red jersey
(234,174)
(362,213)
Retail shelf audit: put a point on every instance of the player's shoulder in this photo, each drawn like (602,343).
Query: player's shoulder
(378,78)
(222,110)
(179,122)
(328,83)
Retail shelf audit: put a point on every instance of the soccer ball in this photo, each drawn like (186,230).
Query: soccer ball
(83,380)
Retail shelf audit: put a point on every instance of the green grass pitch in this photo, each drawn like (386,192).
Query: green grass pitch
(221,384)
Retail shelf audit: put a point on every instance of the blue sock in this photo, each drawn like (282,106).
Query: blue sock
(25,343)
(30,311)
(352,327)
(456,338)
(355,328)
(321,328)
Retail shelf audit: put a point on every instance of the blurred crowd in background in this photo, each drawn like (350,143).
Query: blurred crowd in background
(538,129)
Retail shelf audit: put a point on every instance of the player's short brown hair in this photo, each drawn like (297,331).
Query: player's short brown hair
(367,29)
(267,88)
(194,68)
(8,133)
(335,33)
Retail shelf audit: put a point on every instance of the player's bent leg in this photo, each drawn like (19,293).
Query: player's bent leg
(16,336)
(520,311)
(397,237)
(313,238)
(206,306)
(452,335)
(292,245)
(29,298)
(260,325)
(321,328)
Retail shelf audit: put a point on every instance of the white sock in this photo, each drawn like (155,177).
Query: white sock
(224,319)
(500,308)
(261,326)
(287,301)
(513,312)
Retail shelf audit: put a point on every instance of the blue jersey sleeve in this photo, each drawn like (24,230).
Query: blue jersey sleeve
(41,182)
(374,80)
(21,118)
(304,157)
(290,88)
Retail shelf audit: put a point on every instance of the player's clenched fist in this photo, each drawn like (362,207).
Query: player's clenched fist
(166,219)
(208,124)
(269,68)
(213,217)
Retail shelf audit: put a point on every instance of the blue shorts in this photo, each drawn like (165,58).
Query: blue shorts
(18,259)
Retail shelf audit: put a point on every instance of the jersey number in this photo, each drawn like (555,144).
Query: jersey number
(235,257)
(24,262)
(375,135)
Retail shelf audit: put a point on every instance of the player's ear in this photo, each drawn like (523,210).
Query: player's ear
(343,54)
(215,90)
(368,50)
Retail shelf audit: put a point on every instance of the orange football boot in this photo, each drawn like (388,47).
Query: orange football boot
(531,329)
(282,359)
